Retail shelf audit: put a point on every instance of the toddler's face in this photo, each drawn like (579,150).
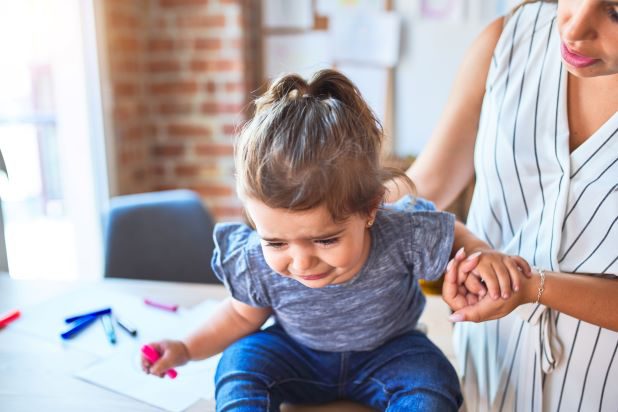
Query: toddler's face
(308,246)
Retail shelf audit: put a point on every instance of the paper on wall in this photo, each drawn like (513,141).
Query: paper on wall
(303,53)
(366,37)
(295,14)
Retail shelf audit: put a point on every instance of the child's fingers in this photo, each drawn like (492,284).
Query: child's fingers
(524,265)
(472,299)
(490,280)
(515,273)
(473,284)
(504,280)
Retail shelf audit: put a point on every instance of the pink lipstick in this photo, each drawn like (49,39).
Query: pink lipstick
(574,59)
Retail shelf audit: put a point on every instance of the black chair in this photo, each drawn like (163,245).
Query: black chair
(163,235)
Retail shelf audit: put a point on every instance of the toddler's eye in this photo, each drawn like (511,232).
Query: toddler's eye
(275,245)
(327,242)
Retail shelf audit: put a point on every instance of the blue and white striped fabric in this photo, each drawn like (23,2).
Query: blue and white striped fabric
(557,209)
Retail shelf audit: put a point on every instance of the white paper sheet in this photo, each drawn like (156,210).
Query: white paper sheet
(372,83)
(122,373)
(295,14)
(366,37)
(47,320)
(297,53)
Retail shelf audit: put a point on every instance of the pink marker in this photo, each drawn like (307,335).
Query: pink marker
(159,305)
(152,355)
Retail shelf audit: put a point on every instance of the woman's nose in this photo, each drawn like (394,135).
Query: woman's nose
(581,23)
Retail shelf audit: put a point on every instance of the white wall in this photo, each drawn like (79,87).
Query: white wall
(431,51)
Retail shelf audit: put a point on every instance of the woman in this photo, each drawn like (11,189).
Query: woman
(534,115)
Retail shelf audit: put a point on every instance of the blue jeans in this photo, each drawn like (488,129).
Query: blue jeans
(267,368)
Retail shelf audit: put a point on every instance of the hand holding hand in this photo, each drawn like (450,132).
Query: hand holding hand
(173,353)
(466,295)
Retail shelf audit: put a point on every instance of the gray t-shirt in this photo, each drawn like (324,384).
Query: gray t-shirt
(409,241)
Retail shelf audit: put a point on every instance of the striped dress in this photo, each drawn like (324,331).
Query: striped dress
(557,209)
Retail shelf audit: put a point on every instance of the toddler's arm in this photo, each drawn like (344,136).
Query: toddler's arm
(232,321)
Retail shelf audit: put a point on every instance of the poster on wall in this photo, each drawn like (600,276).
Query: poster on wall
(366,37)
(371,81)
(287,14)
(302,53)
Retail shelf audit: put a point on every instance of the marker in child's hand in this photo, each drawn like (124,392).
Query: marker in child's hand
(152,355)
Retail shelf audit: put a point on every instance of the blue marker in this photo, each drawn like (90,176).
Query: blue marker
(100,312)
(78,326)
(106,320)
(128,327)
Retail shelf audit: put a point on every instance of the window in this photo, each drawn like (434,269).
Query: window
(49,112)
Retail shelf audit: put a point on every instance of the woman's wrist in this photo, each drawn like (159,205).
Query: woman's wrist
(535,286)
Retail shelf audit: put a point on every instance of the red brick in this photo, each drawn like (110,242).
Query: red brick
(207,44)
(122,89)
(214,149)
(200,21)
(221,108)
(120,19)
(168,150)
(192,170)
(182,3)
(187,130)
(226,212)
(133,133)
(234,87)
(214,190)
(127,44)
(124,65)
(211,87)
(201,65)
(230,129)
(163,66)
(160,44)
(175,108)
(180,87)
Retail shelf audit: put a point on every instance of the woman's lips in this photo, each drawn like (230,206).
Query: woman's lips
(574,59)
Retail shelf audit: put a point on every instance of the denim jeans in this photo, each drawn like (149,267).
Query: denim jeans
(267,368)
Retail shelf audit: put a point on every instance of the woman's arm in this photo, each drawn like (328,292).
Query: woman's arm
(232,321)
(446,165)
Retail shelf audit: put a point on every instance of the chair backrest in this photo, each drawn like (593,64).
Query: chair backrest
(163,235)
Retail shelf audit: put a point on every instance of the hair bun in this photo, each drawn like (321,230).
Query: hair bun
(289,86)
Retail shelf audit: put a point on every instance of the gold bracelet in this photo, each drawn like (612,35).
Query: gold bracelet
(541,273)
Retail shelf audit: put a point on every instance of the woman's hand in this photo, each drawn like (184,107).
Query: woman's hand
(499,273)
(476,306)
(173,353)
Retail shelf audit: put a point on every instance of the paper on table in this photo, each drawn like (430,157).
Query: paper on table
(46,320)
(122,373)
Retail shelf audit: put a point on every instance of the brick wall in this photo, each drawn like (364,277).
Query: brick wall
(179,76)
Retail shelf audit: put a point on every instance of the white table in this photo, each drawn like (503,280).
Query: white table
(37,375)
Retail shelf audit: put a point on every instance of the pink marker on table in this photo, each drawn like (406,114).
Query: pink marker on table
(159,305)
(152,355)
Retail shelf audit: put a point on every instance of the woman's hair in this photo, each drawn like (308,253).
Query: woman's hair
(311,144)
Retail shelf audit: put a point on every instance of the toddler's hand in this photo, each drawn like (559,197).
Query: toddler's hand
(173,353)
(499,273)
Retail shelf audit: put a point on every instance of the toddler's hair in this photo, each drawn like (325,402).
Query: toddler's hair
(312,144)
